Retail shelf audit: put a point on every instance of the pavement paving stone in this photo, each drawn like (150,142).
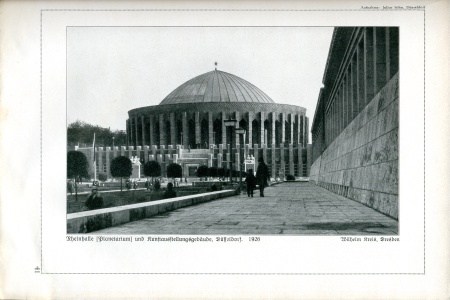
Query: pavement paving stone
(288,208)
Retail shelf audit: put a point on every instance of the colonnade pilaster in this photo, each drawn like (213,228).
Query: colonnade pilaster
(162,136)
(185,129)
(250,128)
(136,130)
(143,129)
(210,129)
(173,134)
(261,128)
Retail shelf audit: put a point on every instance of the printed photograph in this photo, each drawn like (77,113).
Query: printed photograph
(233,131)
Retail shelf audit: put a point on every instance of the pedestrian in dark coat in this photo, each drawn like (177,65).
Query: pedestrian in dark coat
(94,201)
(262,176)
(170,193)
(251,182)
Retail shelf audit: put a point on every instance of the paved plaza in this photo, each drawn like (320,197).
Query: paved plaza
(297,208)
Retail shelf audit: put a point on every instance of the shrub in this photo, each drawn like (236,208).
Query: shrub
(157,186)
(174,170)
(290,177)
(202,171)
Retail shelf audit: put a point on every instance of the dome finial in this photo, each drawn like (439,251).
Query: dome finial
(215,64)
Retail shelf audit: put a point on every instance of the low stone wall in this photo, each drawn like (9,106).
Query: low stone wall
(362,162)
(88,221)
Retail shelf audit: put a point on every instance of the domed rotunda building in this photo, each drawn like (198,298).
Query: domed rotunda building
(188,127)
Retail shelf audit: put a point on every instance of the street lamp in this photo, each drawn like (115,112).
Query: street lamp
(230,123)
(241,132)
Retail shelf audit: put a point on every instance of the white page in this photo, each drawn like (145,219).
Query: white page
(39,262)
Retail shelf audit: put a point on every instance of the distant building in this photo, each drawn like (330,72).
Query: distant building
(355,127)
(188,127)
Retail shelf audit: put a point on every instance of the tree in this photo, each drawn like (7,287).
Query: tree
(202,171)
(174,170)
(152,169)
(77,166)
(102,177)
(121,167)
(221,172)
(82,132)
(212,172)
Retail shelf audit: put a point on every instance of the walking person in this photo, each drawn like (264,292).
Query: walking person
(251,182)
(262,176)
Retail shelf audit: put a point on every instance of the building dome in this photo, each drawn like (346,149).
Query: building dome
(216,86)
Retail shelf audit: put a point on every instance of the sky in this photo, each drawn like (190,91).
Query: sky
(111,70)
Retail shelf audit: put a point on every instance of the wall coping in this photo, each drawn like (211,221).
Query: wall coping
(90,213)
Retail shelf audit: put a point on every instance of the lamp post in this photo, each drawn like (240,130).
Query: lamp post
(241,132)
(230,123)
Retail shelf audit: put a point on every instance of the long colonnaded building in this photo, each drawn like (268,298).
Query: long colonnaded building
(355,127)
(188,128)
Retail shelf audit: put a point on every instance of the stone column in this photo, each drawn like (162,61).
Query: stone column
(360,76)
(132,134)
(153,150)
(173,134)
(130,153)
(274,163)
(380,49)
(283,128)
(255,154)
(291,159)
(297,138)
(138,152)
(146,153)
(162,134)
(354,80)
(250,128)
(136,131)
(237,161)
(210,129)
(219,164)
(300,162)
(107,161)
(236,136)
(224,130)
(197,127)
(162,150)
(219,160)
(274,128)
(291,128)
(185,129)
(151,132)
(282,162)
(246,150)
(127,124)
(369,63)
(123,149)
(115,149)
(143,129)
(307,131)
(261,127)
(210,159)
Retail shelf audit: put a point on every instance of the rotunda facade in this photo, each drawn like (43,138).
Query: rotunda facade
(188,128)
